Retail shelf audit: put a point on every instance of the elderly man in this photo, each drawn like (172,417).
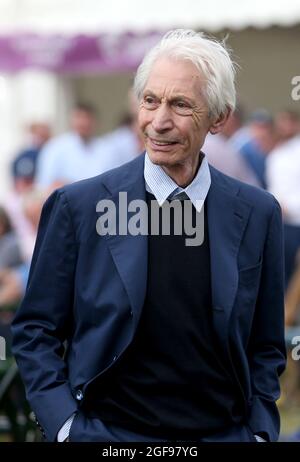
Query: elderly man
(165,340)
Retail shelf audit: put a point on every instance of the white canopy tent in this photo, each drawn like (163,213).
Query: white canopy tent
(94,16)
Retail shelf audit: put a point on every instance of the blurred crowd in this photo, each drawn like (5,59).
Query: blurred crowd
(257,148)
(46,163)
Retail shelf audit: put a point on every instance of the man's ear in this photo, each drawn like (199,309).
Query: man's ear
(219,123)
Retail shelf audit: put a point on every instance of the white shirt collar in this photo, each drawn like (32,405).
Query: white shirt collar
(163,187)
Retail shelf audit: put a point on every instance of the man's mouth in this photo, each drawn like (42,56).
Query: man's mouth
(162,142)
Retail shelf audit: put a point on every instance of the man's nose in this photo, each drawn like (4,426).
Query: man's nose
(162,118)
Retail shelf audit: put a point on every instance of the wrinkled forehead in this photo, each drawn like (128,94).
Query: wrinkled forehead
(170,76)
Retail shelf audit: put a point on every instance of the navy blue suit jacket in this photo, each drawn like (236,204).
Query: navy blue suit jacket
(89,290)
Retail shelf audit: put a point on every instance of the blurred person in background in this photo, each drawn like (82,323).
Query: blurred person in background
(262,140)
(73,155)
(32,203)
(287,125)
(67,158)
(163,341)
(124,143)
(24,165)
(23,172)
(10,260)
(223,156)
(283,180)
(14,203)
(235,130)
(10,254)
(13,280)
(79,154)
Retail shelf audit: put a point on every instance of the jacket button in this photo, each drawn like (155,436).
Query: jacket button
(79,395)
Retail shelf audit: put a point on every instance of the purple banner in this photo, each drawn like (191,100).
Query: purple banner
(75,55)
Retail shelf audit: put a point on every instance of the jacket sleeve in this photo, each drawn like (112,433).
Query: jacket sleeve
(44,320)
(266,351)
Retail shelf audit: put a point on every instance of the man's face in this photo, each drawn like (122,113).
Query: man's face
(173,115)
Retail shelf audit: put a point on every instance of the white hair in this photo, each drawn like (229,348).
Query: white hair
(212,59)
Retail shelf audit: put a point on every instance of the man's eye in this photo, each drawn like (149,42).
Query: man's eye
(149,100)
(182,108)
(181,104)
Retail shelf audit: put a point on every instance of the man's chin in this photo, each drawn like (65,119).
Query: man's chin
(161,158)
